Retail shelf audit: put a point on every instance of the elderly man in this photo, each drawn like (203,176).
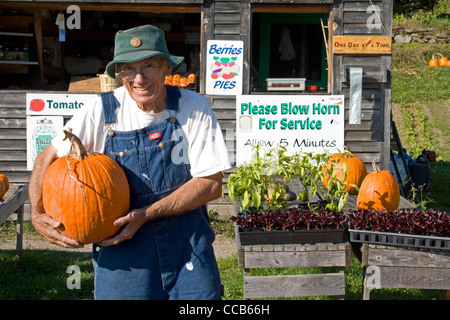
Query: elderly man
(170,145)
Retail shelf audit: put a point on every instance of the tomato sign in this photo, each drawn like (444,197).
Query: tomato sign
(61,104)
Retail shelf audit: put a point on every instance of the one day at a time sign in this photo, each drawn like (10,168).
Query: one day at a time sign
(310,123)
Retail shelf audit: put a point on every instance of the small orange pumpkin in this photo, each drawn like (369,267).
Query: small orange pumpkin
(4,185)
(191,78)
(355,173)
(434,62)
(86,192)
(443,61)
(378,191)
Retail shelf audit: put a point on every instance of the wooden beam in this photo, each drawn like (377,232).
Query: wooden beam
(123,7)
(289,8)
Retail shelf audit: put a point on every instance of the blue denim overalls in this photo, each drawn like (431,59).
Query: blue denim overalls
(170,258)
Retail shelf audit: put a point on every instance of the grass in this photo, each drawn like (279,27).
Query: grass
(420,98)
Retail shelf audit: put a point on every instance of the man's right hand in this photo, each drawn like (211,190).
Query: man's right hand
(48,228)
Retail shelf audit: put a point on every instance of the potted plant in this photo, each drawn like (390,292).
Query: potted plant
(280,198)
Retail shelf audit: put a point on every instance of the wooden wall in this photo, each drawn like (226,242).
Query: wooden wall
(13,144)
(370,139)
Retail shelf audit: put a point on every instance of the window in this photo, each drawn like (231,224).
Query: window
(301,32)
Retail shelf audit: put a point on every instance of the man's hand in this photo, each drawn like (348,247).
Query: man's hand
(131,223)
(48,228)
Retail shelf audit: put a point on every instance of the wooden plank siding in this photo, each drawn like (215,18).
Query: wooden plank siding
(370,139)
(13,148)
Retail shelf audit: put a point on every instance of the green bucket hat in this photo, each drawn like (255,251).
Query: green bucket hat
(141,43)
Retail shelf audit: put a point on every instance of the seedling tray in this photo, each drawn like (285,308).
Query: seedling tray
(256,236)
(399,239)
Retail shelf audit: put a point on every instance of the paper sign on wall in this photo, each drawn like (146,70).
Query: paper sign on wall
(224,67)
(300,123)
(40,132)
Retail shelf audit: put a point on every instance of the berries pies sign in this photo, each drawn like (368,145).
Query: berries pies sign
(224,67)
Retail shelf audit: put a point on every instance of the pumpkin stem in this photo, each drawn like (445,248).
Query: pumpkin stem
(80,153)
(375,167)
(79,149)
(347,153)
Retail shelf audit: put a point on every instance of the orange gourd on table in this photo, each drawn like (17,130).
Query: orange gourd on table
(86,192)
(378,191)
(4,185)
(355,174)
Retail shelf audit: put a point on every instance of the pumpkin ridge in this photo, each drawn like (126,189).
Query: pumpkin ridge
(87,180)
(97,185)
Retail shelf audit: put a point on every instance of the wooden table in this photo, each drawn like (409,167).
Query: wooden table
(286,256)
(394,267)
(13,202)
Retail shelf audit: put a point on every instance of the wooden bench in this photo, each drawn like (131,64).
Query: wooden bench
(286,256)
(13,202)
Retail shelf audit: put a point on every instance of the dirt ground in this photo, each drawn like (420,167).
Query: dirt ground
(223,245)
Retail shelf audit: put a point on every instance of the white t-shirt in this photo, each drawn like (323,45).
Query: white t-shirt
(207,152)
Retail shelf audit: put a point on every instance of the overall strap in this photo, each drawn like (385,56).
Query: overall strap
(110,104)
(173,97)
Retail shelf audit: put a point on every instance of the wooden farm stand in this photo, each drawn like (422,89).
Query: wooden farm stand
(189,25)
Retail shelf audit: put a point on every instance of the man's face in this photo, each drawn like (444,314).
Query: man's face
(144,79)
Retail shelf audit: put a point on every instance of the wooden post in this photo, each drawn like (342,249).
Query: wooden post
(19,230)
(38,35)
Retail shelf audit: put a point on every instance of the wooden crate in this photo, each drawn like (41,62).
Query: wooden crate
(394,267)
(284,256)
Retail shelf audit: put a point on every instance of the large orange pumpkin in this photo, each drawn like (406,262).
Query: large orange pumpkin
(378,191)
(355,174)
(86,192)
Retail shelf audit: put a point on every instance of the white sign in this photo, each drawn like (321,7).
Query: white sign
(224,66)
(301,123)
(62,104)
(40,132)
